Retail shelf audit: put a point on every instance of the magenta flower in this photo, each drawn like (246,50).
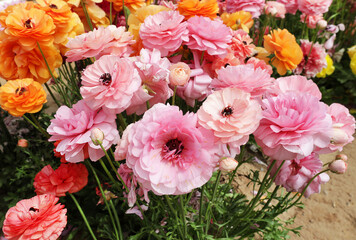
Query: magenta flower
(231,115)
(314,7)
(295,174)
(245,77)
(255,7)
(73,126)
(294,124)
(110,83)
(168,152)
(314,60)
(164,31)
(241,44)
(212,36)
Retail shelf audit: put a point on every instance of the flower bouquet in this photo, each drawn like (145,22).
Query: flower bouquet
(157,106)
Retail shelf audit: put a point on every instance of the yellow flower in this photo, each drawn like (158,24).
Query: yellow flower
(353,64)
(238,20)
(351,51)
(22,96)
(328,70)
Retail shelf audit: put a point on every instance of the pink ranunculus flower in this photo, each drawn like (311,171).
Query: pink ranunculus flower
(314,59)
(311,20)
(169,153)
(231,115)
(294,124)
(276,9)
(241,44)
(110,83)
(212,36)
(314,7)
(164,31)
(258,63)
(295,174)
(122,144)
(198,87)
(154,73)
(245,77)
(296,83)
(218,63)
(73,126)
(291,5)
(255,7)
(39,218)
(99,42)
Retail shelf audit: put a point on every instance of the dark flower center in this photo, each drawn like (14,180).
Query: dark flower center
(227,111)
(28,24)
(20,90)
(175,144)
(227,64)
(33,209)
(244,42)
(53,6)
(295,167)
(105,79)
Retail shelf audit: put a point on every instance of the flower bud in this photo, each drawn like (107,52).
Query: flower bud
(97,136)
(341,27)
(22,143)
(322,24)
(338,166)
(180,74)
(228,164)
(339,136)
(342,157)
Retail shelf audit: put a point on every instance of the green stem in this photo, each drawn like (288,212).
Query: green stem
(174,213)
(174,95)
(122,121)
(182,212)
(110,13)
(211,201)
(87,15)
(117,219)
(83,216)
(201,203)
(52,95)
(36,125)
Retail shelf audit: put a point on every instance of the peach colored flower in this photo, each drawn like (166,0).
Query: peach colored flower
(39,218)
(133,5)
(179,74)
(287,52)
(218,63)
(241,45)
(205,8)
(238,20)
(22,96)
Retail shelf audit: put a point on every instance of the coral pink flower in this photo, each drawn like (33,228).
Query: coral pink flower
(314,7)
(291,5)
(311,20)
(253,6)
(276,9)
(110,83)
(164,31)
(168,152)
(73,127)
(295,174)
(154,73)
(231,115)
(296,83)
(218,63)
(241,44)
(198,87)
(314,60)
(212,36)
(294,124)
(66,178)
(245,77)
(258,63)
(35,218)
(99,42)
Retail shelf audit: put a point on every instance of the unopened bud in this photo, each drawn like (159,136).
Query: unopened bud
(179,74)
(339,136)
(322,24)
(22,143)
(338,166)
(228,164)
(97,136)
(342,157)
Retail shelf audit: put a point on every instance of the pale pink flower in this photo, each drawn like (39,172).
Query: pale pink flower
(338,166)
(255,7)
(121,44)
(73,126)
(311,20)
(135,210)
(291,5)
(122,144)
(198,87)
(314,7)
(294,124)
(295,174)
(212,36)
(164,31)
(231,115)
(245,77)
(241,44)
(169,153)
(258,63)
(168,4)
(154,73)
(228,164)
(314,59)
(39,218)
(110,83)
(276,9)
(179,74)
(296,83)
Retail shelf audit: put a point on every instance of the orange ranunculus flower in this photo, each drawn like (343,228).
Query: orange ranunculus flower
(96,14)
(16,62)
(22,96)
(30,26)
(9,9)
(68,24)
(133,5)
(238,20)
(287,52)
(191,8)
